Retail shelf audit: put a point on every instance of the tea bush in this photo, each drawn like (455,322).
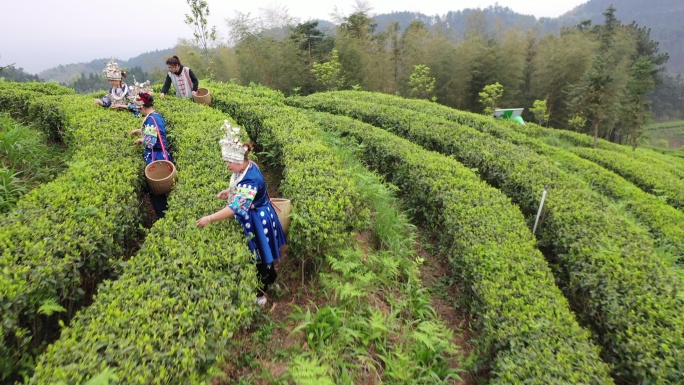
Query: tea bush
(606,265)
(518,310)
(65,235)
(173,311)
(665,222)
(326,204)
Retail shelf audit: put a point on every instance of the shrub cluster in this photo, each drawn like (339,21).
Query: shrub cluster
(173,311)
(326,203)
(46,113)
(649,177)
(64,236)
(665,222)
(647,157)
(605,264)
(519,312)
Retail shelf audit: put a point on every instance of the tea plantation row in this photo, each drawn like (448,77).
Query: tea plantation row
(605,264)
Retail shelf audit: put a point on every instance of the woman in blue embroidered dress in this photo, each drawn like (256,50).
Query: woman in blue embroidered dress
(118,96)
(154,141)
(248,203)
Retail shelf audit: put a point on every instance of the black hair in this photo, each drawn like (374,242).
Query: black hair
(173,61)
(250,147)
(147,99)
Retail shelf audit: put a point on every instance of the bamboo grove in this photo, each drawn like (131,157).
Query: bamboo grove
(599,73)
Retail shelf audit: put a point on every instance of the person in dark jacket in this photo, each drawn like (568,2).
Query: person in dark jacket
(183,79)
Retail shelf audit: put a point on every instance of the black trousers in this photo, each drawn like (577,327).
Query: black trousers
(159,203)
(267,275)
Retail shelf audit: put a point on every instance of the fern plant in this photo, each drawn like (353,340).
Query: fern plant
(49,307)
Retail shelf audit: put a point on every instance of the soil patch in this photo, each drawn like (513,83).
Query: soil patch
(444,286)
(259,361)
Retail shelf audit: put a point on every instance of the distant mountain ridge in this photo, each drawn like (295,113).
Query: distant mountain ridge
(149,62)
(663,17)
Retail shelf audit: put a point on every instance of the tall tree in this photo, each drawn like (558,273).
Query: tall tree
(330,74)
(644,74)
(597,94)
(310,45)
(396,53)
(359,25)
(358,49)
(474,69)
(509,67)
(422,84)
(415,42)
(636,110)
(559,63)
(594,97)
(204,36)
(264,53)
(306,36)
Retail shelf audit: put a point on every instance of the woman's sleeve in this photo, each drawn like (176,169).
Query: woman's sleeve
(106,100)
(246,191)
(193,78)
(149,132)
(133,109)
(167,84)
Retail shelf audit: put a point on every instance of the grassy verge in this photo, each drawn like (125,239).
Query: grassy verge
(367,317)
(605,264)
(27,160)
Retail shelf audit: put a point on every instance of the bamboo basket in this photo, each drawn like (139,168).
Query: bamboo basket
(283,207)
(161,176)
(202,97)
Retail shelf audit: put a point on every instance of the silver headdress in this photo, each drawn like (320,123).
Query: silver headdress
(112,70)
(138,88)
(231,148)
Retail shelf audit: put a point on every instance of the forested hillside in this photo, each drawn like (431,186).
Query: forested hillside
(663,17)
(607,77)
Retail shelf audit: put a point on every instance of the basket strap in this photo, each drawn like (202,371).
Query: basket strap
(160,140)
(266,188)
(274,205)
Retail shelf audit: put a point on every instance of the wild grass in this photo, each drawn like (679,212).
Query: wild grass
(375,323)
(380,326)
(26,160)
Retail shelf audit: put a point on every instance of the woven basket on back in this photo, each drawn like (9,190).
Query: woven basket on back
(282,207)
(161,176)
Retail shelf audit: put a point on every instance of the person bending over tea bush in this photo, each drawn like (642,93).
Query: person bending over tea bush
(248,203)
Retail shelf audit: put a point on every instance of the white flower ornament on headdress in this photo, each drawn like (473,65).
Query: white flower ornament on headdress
(136,89)
(231,148)
(112,70)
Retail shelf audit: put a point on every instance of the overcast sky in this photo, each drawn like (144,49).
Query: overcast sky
(39,34)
